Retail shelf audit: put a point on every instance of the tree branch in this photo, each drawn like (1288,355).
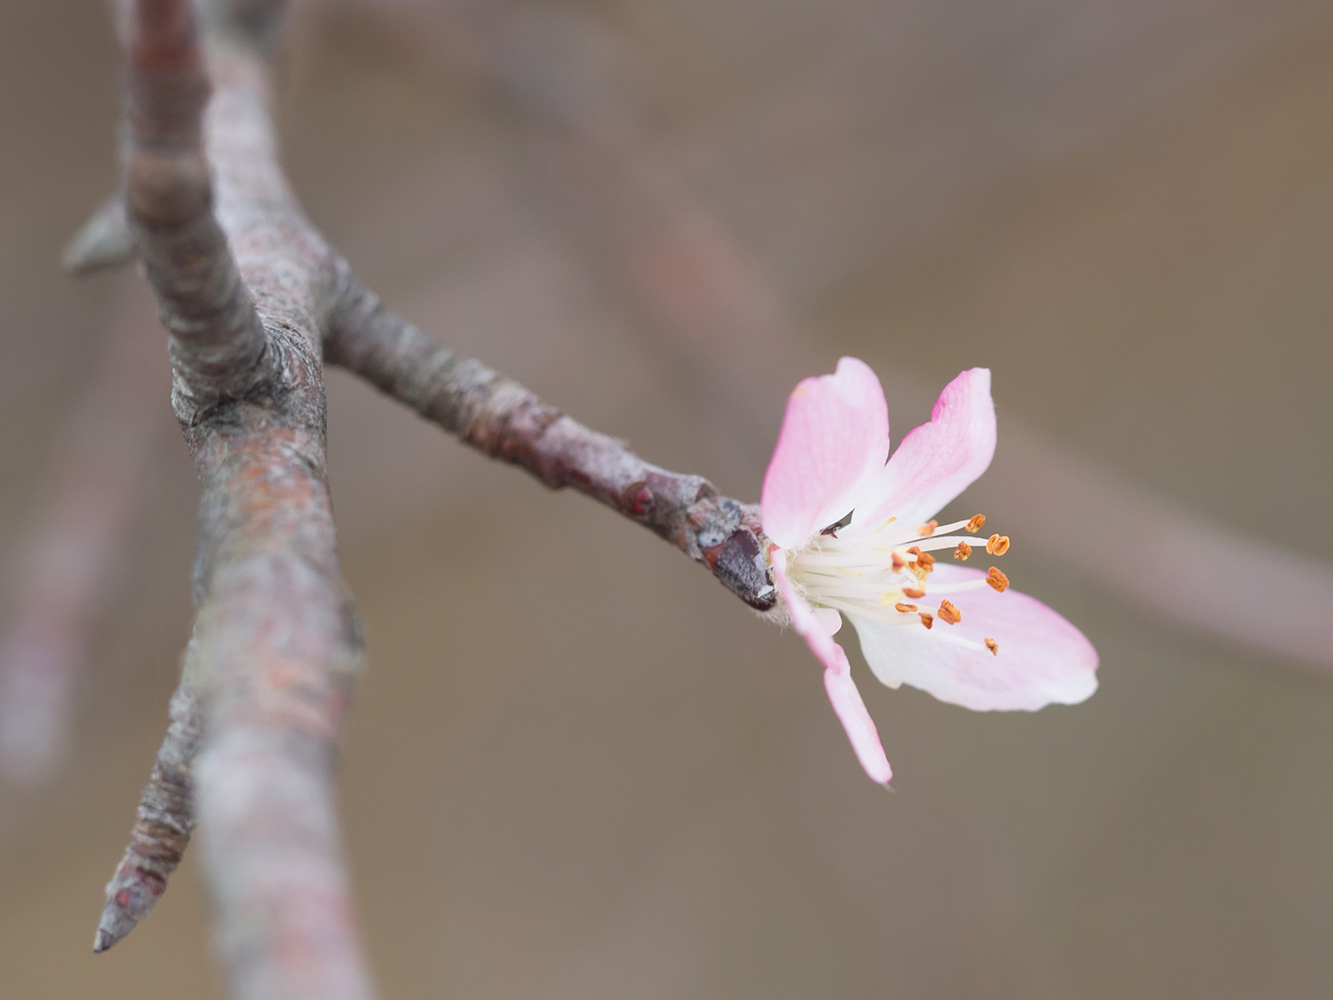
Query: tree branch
(277,643)
(504,420)
(217,341)
(251,296)
(166,820)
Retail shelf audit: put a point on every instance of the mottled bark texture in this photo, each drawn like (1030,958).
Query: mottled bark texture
(166,820)
(251,296)
(498,416)
(245,285)
(217,340)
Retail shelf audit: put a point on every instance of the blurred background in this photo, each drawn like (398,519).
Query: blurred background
(577,767)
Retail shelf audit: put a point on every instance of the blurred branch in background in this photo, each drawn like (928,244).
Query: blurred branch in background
(65,568)
(734,342)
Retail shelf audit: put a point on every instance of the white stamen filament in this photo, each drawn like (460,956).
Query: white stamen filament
(855,575)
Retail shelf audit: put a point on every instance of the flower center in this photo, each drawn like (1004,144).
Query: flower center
(884,574)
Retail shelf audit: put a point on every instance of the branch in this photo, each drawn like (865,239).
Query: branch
(277,644)
(216,339)
(499,417)
(166,820)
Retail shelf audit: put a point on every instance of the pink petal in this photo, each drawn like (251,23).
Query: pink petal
(1042,658)
(938,460)
(856,721)
(842,692)
(834,439)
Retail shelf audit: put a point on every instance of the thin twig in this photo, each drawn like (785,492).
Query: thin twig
(217,341)
(498,416)
(166,820)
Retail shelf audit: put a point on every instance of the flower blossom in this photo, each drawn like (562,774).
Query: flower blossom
(853,534)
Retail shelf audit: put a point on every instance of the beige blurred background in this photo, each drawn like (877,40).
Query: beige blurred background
(579,769)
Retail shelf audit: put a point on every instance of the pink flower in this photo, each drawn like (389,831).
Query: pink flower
(851,534)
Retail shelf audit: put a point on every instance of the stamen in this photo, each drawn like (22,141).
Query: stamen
(928,529)
(914,592)
(927,619)
(905,608)
(963,551)
(997,580)
(898,562)
(974,525)
(997,545)
(993,646)
(949,613)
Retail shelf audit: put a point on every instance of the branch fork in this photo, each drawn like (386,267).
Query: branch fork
(254,302)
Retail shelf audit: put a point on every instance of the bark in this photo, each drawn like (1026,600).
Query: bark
(244,284)
(251,296)
(166,820)
(501,418)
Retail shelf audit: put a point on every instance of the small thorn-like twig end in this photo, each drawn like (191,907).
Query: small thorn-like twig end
(104,940)
(104,241)
(162,832)
(131,893)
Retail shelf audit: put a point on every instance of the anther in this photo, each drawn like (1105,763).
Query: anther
(993,646)
(949,613)
(963,551)
(997,545)
(928,529)
(898,562)
(927,619)
(997,580)
(975,524)
(905,608)
(914,592)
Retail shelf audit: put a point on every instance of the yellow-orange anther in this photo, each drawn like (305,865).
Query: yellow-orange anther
(922,558)
(963,551)
(928,529)
(914,592)
(927,619)
(993,646)
(949,613)
(898,562)
(905,608)
(975,524)
(997,545)
(997,580)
